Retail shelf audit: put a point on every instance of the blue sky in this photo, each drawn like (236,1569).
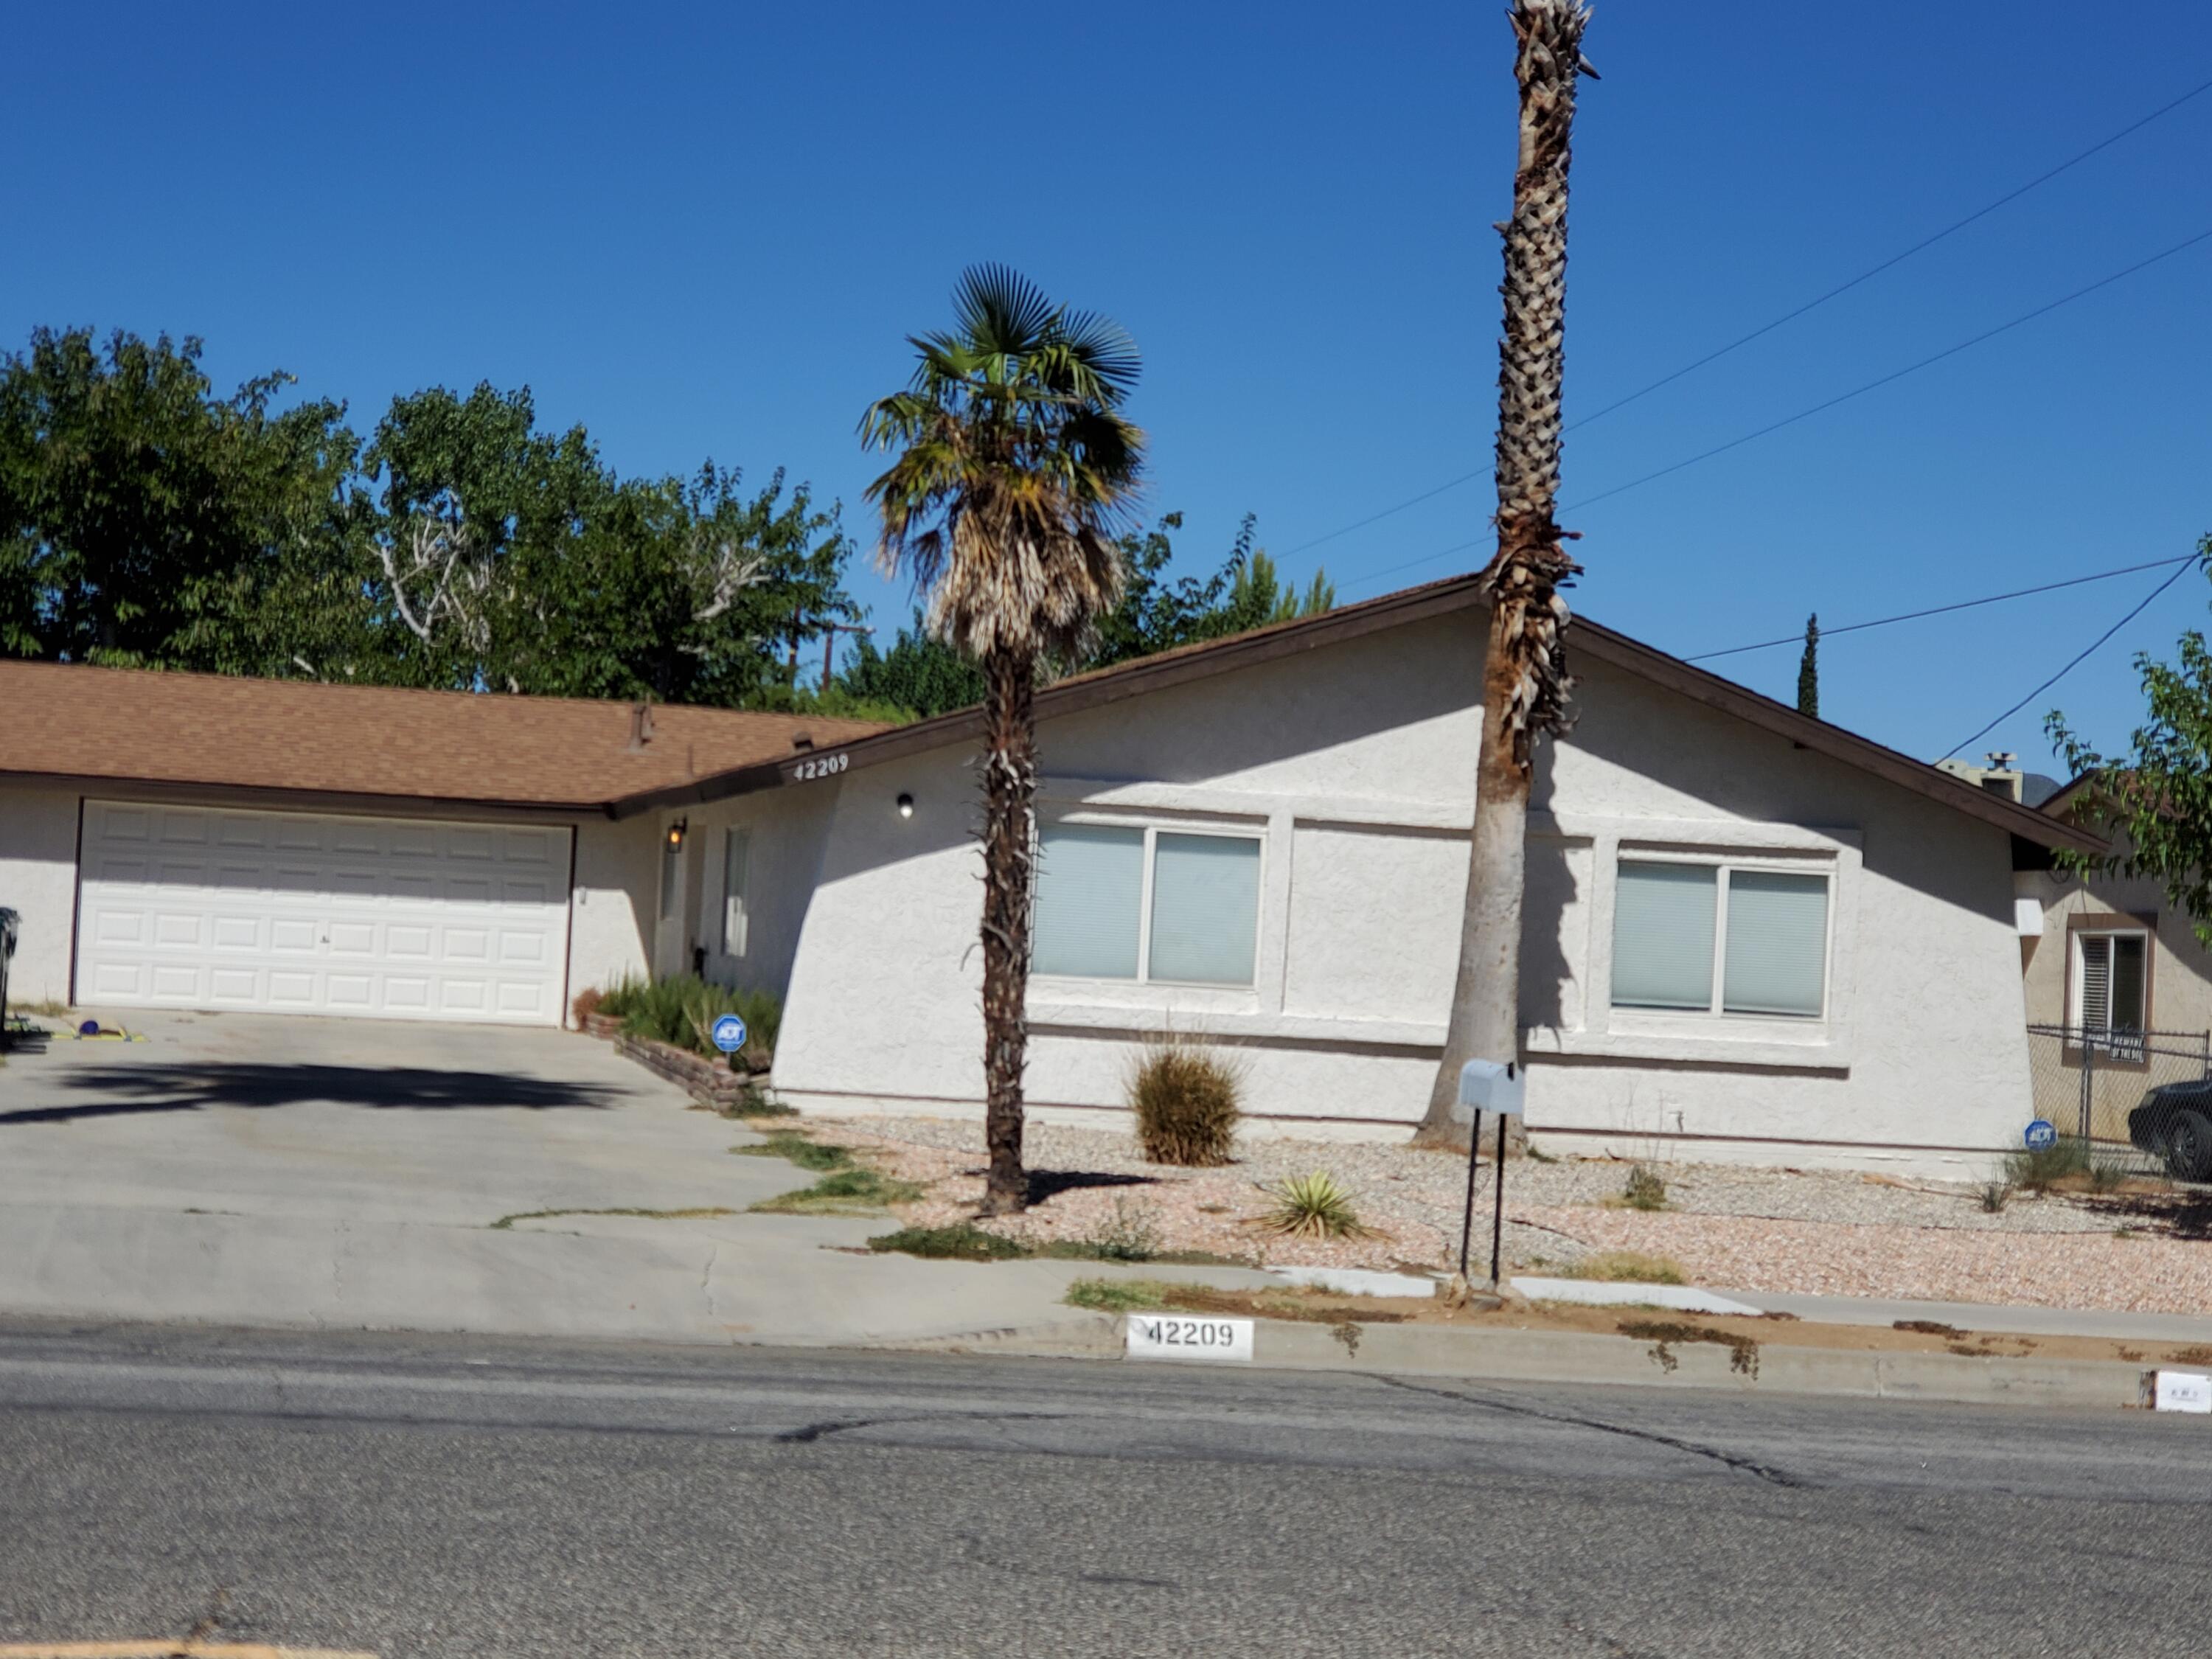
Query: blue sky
(705,231)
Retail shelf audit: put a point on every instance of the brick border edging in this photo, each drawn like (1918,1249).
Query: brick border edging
(711,1083)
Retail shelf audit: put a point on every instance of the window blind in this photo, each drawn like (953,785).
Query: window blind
(2097,983)
(2114,981)
(1206,908)
(1089,900)
(1777,943)
(1662,935)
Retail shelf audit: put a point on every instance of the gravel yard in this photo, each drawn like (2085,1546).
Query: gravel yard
(1750,1229)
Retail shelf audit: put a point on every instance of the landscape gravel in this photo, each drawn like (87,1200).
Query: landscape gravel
(1812,1232)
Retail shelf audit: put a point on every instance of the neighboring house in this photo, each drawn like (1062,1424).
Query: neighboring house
(1750,935)
(190,841)
(2114,967)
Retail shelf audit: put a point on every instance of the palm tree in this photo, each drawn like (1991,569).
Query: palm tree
(1524,676)
(1013,471)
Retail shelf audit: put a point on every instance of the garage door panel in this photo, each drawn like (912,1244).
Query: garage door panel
(240,986)
(234,933)
(353,916)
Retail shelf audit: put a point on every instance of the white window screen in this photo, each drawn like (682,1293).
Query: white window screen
(1777,943)
(1206,908)
(737,877)
(1662,936)
(1089,901)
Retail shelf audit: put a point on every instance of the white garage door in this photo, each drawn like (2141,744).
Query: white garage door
(185,907)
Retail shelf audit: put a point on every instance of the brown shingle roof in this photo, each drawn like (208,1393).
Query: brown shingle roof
(61,719)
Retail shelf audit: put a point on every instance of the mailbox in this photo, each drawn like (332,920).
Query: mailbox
(1489,1085)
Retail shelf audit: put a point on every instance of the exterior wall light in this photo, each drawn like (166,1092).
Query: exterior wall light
(906,806)
(676,834)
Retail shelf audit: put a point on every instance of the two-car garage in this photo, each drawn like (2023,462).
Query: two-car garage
(192,906)
(201,842)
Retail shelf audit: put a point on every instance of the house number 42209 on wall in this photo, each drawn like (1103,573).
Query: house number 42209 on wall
(821,766)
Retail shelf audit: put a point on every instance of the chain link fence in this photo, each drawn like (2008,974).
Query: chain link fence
(2088,1083)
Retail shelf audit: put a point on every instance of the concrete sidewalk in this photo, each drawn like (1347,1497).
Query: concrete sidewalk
(349,1175)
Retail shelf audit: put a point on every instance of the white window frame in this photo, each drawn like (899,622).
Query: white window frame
(1723,864)
(737,907)
(2112,1042)
(1153,829)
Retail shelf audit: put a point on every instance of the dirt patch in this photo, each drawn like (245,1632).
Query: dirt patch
(1663,1333)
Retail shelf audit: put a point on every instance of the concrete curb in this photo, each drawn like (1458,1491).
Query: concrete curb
(1509,1356)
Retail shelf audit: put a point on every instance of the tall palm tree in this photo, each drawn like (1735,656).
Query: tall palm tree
(1524,677)
(1014,469)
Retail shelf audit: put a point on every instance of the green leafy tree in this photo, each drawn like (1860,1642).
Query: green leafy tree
(514,559)
(146,521)
(2157,797)
(920,674)
(1012,466)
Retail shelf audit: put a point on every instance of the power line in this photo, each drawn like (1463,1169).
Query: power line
(1413,564)
(1944,610)
(2142,606)
(1788,317)
(1895,258)
(1895,375)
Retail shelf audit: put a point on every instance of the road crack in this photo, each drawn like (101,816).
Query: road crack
(808,1434)
(1765,1472)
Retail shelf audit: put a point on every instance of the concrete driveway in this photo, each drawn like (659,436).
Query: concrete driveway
(263,1170)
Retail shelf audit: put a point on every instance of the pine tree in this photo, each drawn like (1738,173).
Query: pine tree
(1808,670)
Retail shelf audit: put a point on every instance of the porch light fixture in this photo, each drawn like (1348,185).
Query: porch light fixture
(906,806)
(676,834)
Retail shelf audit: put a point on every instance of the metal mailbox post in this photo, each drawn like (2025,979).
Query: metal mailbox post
(1495,1086)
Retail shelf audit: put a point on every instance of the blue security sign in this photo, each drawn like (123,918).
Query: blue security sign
(729,1034)
(2042,1135)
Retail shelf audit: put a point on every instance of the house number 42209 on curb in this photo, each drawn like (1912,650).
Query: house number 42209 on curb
(1176,1336)
(821,766)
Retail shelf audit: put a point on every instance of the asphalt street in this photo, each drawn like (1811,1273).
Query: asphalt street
(468,1497)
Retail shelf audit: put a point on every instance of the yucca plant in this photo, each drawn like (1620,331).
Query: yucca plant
(1317,1205)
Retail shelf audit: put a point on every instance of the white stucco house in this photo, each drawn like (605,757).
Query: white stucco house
(1752,936)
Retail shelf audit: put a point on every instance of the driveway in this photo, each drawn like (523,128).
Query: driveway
(254,1169)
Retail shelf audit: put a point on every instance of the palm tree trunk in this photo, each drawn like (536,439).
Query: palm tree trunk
(1524,678)
(1009,792)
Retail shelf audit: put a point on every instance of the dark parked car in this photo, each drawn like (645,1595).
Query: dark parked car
(2175,1121)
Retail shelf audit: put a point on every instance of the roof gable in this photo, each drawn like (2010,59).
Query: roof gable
(1457,593)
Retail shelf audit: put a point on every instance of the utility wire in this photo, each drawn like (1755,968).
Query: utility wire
(1895,258)
(1895,375)
(2088,651)
(1945,610)
(1788,317)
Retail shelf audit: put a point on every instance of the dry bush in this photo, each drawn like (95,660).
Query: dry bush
(1186,1098)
